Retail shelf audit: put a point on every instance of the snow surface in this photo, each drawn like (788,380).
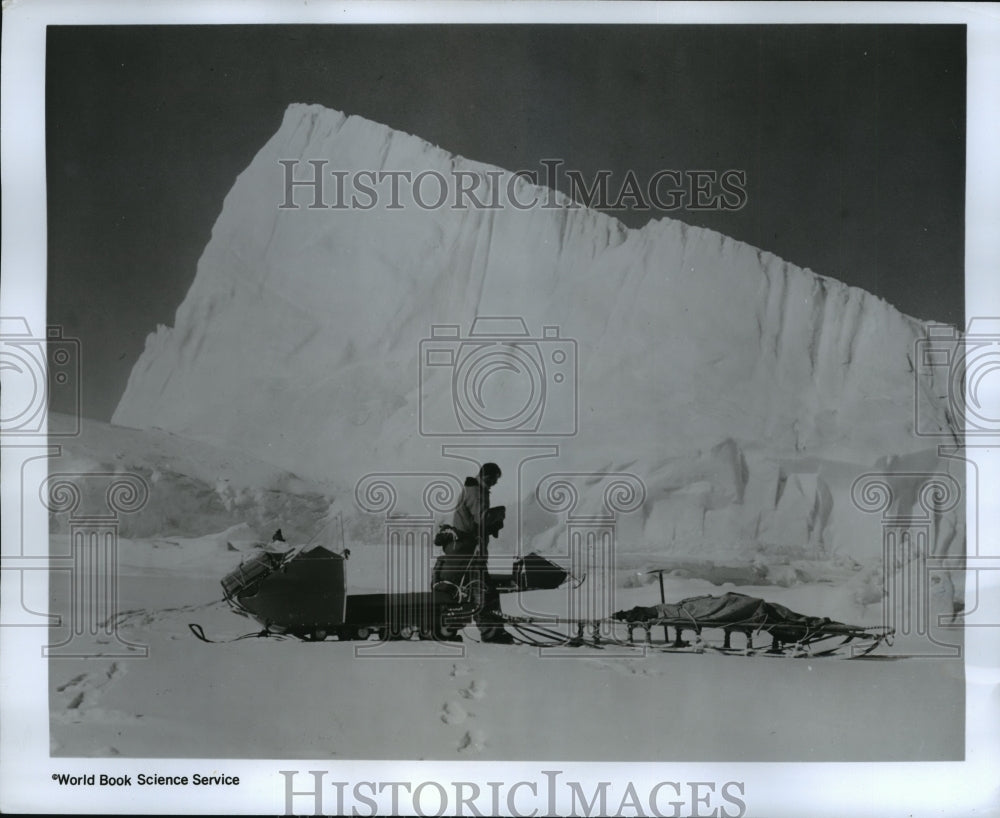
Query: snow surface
(289,699)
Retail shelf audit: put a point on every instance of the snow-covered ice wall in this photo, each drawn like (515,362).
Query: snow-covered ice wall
(746,393)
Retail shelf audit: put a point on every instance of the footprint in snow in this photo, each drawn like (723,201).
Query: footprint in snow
(453,713)
(71,683)
(472,741)
(86,688)
(460,670)
(476,690)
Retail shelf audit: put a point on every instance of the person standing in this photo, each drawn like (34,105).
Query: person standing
(465,560)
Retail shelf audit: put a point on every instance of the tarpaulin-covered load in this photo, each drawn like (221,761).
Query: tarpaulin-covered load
(736,612)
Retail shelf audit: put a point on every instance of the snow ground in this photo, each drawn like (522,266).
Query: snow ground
(273,698)
(290,699)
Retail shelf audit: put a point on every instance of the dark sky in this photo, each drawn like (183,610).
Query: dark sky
(852,139)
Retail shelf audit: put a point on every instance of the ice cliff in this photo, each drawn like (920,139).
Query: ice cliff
(745,393)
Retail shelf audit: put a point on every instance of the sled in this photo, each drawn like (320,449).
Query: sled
(302,593)
(790,633)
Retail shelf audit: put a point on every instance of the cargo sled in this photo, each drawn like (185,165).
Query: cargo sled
(790,633)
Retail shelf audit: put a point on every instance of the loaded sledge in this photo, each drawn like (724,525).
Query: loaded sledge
(791,633)
(303,593)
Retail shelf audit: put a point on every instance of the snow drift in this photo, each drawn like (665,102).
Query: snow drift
(190,489)
(744,394)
